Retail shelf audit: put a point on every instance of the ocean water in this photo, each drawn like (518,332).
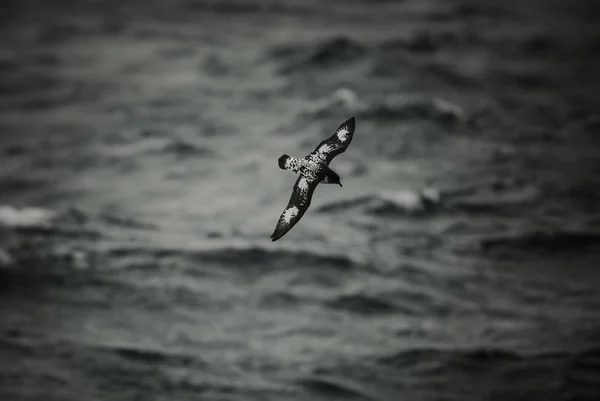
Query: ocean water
(139,186)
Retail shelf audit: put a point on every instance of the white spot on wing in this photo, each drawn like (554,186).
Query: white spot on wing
(290,213)
(342,134)
(327,148)
(303,185)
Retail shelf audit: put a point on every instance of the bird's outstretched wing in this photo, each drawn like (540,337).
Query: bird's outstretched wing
(297,206)
(338,142)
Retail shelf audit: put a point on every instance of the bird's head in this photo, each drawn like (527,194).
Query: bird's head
(333,178)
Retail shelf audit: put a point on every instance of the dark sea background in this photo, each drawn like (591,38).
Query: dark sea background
(139,186)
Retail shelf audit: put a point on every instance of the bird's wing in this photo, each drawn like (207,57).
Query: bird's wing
(338,142)
(297,206)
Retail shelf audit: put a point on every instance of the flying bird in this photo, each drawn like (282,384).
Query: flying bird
(312,169)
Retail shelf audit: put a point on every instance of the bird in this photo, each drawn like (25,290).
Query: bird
(312,170)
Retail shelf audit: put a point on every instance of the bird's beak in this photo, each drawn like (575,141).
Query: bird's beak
(340,183)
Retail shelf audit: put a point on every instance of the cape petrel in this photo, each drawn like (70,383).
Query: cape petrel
(313,169)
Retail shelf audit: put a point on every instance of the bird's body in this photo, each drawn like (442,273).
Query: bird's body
(313,167)
(312,170)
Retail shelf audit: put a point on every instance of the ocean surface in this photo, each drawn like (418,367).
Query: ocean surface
(139,186)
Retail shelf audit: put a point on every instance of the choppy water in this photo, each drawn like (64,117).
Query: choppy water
(139,186)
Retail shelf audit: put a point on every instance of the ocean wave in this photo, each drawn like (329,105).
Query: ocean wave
(62,232)
(36,238)
(497,198)
(469,10)
(469,358)
(362,304)
(57,32)
(386,56)
(392,61)
(245,7)
(183,149)
(529,79)
(447,74)
(502,197)
(329,53)
(215,65)
(333,388)
(546,242)
(32,260)
(387,59)
(25,217)
(142,373)
(424,42)
(153,356)
(343,101)
(538,44)
(578,369)
(68,222)
(279,299)
(435,361)
(15,151)
(435,109)
(6,258)
(476,372)
(244,256)
(125,222)
(389,203)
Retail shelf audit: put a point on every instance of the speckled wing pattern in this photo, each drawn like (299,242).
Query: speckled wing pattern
(297,206)
(338,142)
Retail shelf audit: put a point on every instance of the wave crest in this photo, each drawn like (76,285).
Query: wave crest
(329,53)
(547,242)
(362,304)
(333,388)
(389,203)
(182,150)
(244,257)
(343,101)
(153,357)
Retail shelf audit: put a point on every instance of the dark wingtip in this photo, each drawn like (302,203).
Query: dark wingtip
(280,231)
(351,123)
(277,233)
